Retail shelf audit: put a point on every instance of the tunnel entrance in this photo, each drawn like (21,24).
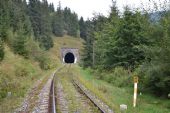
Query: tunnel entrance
(69,58)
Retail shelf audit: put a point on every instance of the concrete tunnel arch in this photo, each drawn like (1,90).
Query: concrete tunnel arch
(69,55)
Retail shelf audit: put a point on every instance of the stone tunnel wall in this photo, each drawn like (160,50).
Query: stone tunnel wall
(75,52)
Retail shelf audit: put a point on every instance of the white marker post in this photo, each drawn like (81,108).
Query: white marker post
(135,90)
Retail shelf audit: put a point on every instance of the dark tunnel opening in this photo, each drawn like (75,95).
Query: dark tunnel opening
(69,58)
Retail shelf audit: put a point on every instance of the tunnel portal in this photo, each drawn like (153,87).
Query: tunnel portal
(69,55)
(69,58)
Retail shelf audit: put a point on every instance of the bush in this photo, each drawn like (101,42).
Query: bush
(118,76)
(44,62)
(8,84)
(19,45)
(21,71)
(156,79)
(37,54)
(46,42)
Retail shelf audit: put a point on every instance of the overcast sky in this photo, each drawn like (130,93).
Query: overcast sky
(87,8)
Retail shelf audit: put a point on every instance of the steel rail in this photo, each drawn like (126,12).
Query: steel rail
(53,110)
(54,103)
(99,108)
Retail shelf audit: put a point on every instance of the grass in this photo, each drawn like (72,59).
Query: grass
(17,75)
(114,96)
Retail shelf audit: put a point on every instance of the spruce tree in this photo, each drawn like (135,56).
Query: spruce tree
(87,57)
(39,13)
(83,30)
(129,37)
(71,25)
(4,19)
(57,22)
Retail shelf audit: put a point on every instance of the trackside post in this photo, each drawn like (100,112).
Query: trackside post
(135,90)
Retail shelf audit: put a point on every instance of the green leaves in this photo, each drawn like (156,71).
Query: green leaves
(39,13)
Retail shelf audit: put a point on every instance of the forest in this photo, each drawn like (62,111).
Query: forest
(32,25)
(34,21)
(120,45)
(135,43)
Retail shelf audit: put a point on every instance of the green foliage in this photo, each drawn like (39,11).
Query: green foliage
(4,24)
(83,29)
(21,71)
(104,54)
(87,56)
(19,45)
(1,51)
(119,77)
(46,42)
(129,37)
(156,70)
(133,42)
(37,54)
(114,96)
(44,63)
(57,22)
(41,22)
(36,19)
(71,25)
(8,84)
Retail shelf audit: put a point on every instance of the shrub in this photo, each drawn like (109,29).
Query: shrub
(118,77)
(156,79)
(8,84)
(44,63)
(19,45)
(36,53)
(21,71)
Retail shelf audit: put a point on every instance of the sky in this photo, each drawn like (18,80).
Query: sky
(87,8)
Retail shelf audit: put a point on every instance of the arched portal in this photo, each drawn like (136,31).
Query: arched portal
(69,58)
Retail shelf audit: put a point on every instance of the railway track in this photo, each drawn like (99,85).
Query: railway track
(102,107)
(48,96)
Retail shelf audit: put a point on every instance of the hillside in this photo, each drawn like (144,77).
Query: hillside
(18,75)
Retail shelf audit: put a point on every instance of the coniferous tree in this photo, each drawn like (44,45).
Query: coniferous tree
(83,30)
(71,25)
(4,20)
(4,25)
(74,26)
(87,57)
(155,72)
(35,16)
(41,22)
(51,7)
(21,26)
(58,23)
(45,30)
(129,37)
